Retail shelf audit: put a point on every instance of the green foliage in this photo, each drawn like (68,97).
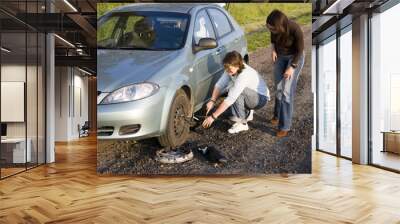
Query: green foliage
(106,29)
(251,17)
(254,13)
(257,39)
(102,8)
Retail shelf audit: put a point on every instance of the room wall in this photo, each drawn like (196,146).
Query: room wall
(79,110)
(62,81)
(69,112)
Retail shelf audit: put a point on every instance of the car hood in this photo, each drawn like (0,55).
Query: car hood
(117,68)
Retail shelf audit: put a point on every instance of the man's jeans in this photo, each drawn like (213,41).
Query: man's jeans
(247,100)
(285,90)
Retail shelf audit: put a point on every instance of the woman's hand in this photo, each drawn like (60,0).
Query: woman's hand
(274,56)
(209,106)
(288,73)
(208,121)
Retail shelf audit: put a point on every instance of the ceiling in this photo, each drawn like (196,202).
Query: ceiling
(74,22)
(330,15)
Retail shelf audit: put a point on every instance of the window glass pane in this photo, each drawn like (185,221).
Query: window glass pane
(13,87)
(203,27)
(327,96)
(142,30)
(346,93)
(221,23)
(108,30)
(22,88)
(385,88)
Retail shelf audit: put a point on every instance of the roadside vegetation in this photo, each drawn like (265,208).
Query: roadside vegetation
(252,16)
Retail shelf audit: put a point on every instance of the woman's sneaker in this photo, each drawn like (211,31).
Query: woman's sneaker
(238,127)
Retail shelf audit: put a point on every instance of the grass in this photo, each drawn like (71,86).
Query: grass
(257,40)
(251,17)
(102,8)
(249,13)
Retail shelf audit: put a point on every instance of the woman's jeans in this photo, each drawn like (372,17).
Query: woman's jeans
(247,100)
(285,90)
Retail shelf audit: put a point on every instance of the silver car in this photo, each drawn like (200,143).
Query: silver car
(157,65)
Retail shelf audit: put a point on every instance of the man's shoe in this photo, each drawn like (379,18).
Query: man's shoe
(238,127)
(282,133)
(274,121)
(250,117)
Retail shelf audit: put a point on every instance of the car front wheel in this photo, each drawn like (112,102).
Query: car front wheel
(178,125)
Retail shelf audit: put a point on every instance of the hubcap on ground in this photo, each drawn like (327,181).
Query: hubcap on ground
(174,156)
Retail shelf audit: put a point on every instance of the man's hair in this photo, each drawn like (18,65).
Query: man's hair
(233,58)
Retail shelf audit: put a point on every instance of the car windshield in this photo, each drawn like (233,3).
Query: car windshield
(142,30)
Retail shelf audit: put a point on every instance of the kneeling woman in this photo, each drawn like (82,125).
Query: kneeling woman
(246,92)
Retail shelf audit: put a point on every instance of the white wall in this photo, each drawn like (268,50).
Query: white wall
(70,83)
(80,84)
(62,81)
(12,73)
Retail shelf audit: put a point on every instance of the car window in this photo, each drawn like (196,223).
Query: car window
(143,30)
(220,21)
(203,27)
(110,30)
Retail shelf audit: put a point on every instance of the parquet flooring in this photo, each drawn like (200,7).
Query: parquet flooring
(69,191)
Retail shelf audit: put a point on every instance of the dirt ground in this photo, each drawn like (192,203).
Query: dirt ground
(256,151)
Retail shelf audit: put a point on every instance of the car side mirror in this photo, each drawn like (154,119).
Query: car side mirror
(204,44)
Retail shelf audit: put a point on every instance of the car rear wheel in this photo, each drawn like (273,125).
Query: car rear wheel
(177,124)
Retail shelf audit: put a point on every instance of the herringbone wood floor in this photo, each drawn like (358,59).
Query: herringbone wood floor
(69,191)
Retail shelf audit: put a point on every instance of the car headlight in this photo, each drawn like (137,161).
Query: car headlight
(130,93)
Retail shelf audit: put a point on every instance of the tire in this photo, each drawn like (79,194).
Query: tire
(177,125)
(246,59)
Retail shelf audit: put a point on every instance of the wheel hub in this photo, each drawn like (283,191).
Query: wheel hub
(179,121)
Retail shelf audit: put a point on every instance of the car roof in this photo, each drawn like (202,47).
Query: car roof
(161,7)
